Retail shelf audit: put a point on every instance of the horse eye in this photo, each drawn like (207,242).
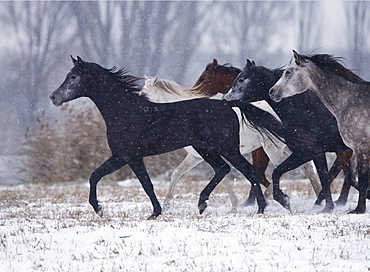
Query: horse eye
(287,72)
(201,79)
(73,77)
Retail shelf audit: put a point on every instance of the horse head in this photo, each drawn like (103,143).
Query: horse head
(74,85)
(294,80)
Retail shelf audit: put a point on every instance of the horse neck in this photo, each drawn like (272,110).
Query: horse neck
(112,101)
(282,108)
(334,91)
(266,85)
(221,84)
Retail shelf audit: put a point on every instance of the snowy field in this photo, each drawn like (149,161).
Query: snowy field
(53,228)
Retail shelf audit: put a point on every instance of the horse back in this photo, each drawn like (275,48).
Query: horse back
(163,127)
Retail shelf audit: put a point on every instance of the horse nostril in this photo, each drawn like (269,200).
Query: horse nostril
(271,91)
(52,97)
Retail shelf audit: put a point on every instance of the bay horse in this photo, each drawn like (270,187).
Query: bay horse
(164,91)
(221,77)
(216,79)
(137,128)
(345,94)
(305,112)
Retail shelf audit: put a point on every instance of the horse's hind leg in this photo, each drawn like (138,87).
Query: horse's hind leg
(109,166)
(295,160)
(139,169)
(260,162)
(363,182)
(241,164)
(308,170)
(322,170)
(349,180)
(221,169)
(188,163)
(340,163)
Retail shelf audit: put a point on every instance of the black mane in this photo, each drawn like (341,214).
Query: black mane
(228,68)
(129,82)
(335,65)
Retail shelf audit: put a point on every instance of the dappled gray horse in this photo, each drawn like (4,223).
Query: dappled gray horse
(345,94)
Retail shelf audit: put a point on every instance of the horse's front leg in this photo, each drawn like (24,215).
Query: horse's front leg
(139,169)
(109,166)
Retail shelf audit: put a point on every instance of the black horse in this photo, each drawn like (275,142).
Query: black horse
(137,128)
(304,111)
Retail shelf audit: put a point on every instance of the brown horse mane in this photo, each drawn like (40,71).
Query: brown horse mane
(335,65)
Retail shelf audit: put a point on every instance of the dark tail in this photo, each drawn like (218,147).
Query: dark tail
(266,124)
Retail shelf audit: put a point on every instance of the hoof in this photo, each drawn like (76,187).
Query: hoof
(358,211)
(340,202)
(260,210)
(202,203)
(283,199)
(261,207)
(286,203)
(247,203)
(152,217)
(202,207)
(99,211)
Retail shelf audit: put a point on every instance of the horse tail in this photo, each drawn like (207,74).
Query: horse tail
(268,126)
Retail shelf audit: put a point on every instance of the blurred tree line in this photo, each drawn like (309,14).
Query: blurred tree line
(172,39)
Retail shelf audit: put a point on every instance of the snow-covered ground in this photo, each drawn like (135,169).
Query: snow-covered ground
(53,228)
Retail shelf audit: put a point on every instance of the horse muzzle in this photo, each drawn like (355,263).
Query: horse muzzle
(274,95)
(54,99)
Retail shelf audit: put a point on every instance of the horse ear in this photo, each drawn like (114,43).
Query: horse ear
(250,63)
(299,60)
(80,61)
(77,61)
(215,62)
(155,80)
(74,60)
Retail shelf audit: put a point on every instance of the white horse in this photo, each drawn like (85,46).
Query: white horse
(162,91)
(347,97)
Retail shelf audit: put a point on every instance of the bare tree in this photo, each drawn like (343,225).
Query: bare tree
(358,22)
(307,18)
(38,31)
(37,36)
(248,27)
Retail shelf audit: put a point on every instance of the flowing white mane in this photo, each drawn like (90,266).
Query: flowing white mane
(162,90)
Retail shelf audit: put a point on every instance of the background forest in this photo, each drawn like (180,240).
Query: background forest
(172,39)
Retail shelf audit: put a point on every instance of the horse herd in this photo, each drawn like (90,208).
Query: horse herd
(287,116)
